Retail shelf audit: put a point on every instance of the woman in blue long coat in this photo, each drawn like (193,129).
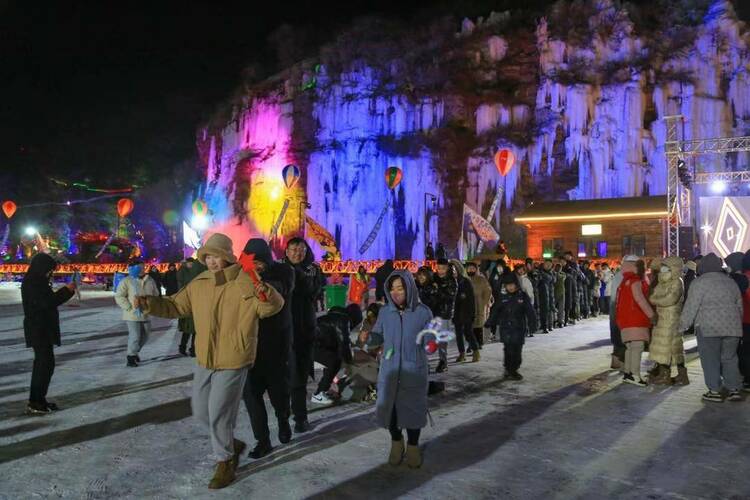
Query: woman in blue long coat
(402,380)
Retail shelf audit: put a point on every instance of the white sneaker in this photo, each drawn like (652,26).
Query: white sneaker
(321,399)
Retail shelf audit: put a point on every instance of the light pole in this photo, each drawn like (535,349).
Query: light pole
(426,220)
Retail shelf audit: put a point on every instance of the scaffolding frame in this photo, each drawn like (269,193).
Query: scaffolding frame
(679,198)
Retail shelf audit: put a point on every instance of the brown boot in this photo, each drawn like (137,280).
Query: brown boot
(397,453)
(475,356)
(413,457)
(682,376)
(661,376)
(461,358)
(224,475)
(616,363)
(239,447)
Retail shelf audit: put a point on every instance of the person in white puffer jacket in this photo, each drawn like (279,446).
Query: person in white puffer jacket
(137,283)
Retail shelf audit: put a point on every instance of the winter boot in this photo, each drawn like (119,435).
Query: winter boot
(131,361)
(413,457)
(682,376)
(616,363)
(661,377)
(475,356)
(441,367)
(261,449)
(137,359)
(461,358)
(239,447)
(183,350)
(285,431)
(223,476)
(37,409)
(397,453)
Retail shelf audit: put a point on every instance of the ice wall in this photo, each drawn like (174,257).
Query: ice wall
(598,112)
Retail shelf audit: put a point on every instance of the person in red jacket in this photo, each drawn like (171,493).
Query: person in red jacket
(634,316)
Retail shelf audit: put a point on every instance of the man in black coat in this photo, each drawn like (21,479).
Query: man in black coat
(269,373)
(445,303)
(464,313)
(381,274)
(308,283)
(546,292)
(41,327)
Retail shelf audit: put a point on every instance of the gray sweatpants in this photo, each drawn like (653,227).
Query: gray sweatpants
(138,333)
(633,353)
(216,401)
(719,361)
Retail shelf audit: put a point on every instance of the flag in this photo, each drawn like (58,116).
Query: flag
(481,226)
(320,234)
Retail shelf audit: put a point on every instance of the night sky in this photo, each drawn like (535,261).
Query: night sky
(112,92)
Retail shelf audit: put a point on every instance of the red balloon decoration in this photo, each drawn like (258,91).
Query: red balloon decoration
(504,160)
(9,208)
(125,206)
(393,177)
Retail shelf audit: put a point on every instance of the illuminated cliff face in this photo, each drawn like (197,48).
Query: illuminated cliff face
(584,121)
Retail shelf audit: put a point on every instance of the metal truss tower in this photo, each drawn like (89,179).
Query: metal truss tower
(678,196)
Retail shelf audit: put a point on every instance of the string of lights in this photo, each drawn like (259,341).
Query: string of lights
(86,187)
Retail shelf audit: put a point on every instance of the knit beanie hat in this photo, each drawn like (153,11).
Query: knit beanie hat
(711,263)
(259,248)
(508,278)
(734,261)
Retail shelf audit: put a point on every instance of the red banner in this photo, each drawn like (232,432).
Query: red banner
(351,266)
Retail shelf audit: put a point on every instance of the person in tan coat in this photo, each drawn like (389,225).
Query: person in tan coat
(226,308)
(666,347)
(482,298)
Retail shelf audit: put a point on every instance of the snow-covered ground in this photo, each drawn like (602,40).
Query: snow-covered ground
(570,429)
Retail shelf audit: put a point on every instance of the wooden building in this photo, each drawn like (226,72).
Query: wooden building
(596,229)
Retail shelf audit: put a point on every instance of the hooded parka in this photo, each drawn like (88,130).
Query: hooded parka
(402,380)
(666,343)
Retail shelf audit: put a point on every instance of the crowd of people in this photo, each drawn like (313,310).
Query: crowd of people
(254,326)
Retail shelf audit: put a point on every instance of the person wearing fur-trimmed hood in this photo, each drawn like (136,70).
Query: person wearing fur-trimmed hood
(666,348)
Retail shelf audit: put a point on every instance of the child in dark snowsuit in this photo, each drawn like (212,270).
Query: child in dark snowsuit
(515,315)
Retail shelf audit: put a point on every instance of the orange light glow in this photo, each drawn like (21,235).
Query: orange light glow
(616,215)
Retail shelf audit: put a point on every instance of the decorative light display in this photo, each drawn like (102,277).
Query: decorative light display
(9,208)
(504,160)
(86,187)
(124,207)
(290,174)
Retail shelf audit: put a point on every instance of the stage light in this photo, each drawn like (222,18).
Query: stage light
(581,254)
(718,187)
(275,193)
(30,231)
(199,222)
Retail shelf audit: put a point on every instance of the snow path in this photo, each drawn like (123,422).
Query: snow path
(570,429)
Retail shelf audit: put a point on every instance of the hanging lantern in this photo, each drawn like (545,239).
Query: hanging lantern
(290,174)
(9,208)
(200,208)
(504,160)
(125,206)
(393,177)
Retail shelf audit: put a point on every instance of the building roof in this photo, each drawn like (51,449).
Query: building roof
(643,207)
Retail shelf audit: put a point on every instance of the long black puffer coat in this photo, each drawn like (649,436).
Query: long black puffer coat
(466,307)
(308,284)
(41,322)
(447,289)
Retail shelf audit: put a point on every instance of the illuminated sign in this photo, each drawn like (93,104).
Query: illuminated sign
(731,229)
(591,229)
(614,215)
